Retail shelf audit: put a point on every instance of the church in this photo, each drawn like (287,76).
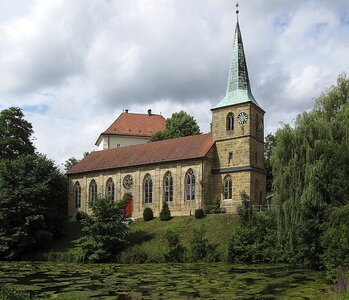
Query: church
(188,173)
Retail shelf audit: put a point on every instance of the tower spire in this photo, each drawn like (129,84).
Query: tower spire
(238,88)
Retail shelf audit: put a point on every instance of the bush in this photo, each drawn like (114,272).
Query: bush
(200,248)
(11,293)
(134,255)
(176,250)
(199,213)
(81,215)
(245,210)
(216,207)
(165,214)
(148,214)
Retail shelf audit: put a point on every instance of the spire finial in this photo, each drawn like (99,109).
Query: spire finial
(237,11)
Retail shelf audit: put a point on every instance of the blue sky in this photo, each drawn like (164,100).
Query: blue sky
(73,66)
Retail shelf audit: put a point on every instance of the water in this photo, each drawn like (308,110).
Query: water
(164,281)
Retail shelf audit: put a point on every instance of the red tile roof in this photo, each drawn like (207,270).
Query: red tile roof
(137,124)
(190,147)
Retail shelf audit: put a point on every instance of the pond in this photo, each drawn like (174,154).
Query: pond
(164,281)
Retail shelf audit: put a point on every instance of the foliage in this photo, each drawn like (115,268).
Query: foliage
(268,150)
(165,213)
(200,248)
(80,215)
(32,204)
(311,169)
(342,283)
(148,214)
(11,293)
(134,255)
(105,231)
(176,251)
(254,242)
(199,213)
(70,162)
(215,207)
(15,134)
(245,210)
(178,125)
(335,240)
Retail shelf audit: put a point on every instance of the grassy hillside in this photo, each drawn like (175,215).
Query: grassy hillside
(149,237)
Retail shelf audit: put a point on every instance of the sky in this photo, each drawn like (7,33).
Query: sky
(73,66)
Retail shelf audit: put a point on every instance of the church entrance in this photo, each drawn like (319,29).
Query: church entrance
(128,207)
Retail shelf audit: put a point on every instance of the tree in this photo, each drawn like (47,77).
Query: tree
(32,204)
(311,169)
(105,231)
(15,134)
(268,150)
(70,162)
(180,124)
(165,213)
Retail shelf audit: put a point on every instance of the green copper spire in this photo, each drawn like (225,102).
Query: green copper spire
(238,89)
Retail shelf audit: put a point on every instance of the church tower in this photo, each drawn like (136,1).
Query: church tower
(238,132)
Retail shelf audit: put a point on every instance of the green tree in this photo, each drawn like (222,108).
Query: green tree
(310,164)
(70,162)
(178,125)
(32,204)
(105,231)
(165,213)
(268,150)
(176,251)
(15,134)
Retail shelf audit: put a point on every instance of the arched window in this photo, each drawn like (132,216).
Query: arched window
(190,185)
(256,124)
(92,192)
(228,188)
(230,122)
(148,189)
(110,190)
(168,185)
(77,194)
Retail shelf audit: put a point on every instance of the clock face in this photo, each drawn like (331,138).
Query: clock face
(127,182)
(242,117)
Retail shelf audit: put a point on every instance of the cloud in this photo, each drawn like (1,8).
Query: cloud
(74,65)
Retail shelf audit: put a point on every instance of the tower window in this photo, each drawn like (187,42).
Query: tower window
(230,122)
(256,157)
(228,188)
(230,158)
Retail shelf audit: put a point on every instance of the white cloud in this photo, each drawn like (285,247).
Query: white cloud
(84,61)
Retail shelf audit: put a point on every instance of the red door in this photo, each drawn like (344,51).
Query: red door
(128,208)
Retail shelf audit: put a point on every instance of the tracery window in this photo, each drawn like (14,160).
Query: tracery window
(92,192)
(190,185)
(110,189)
(228,188)
(230,122)
(148,189)
(77,194)
(168,185)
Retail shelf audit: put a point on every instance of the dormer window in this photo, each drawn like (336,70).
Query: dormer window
(230,122)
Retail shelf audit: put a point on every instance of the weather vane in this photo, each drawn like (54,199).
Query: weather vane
(237,11)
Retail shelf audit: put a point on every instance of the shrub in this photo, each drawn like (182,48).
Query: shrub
(199,213)
(134,255)
(81,215)
(148,214)
(245,210)
(165,214)
(216,206)
(12,293)
(200,248)
(176,252)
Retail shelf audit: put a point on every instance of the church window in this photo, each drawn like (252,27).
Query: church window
(168,187)
(110,189)
(77,194)
(230,158)
(228,188)
(148,189)
(190,185)
(230,122)
(92,192)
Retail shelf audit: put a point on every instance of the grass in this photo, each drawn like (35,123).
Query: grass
(149,237)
